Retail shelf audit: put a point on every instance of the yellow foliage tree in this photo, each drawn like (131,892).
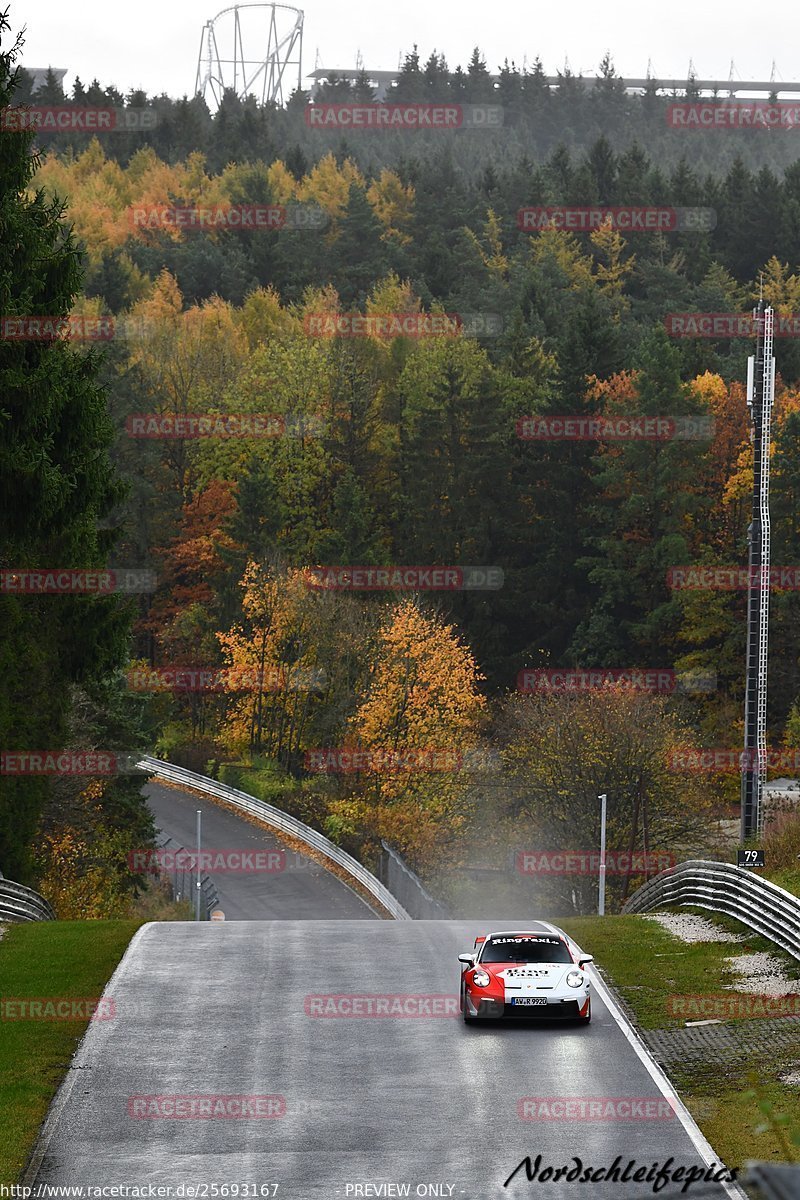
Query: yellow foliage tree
(393,204)
(781,289)
(82,883)
(283,185)
(328,185)
(422,704)
(562,248)
(269,716)
(493,257)
(611,269)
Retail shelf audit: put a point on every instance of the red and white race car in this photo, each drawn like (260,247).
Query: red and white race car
(533,972)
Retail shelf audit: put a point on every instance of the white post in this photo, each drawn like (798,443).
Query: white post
(601,900)
(198,891)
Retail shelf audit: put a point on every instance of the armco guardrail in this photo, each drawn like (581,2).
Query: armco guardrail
(735,891)
(20,903)
(283,822)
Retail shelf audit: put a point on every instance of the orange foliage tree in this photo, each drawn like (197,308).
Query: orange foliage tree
(272,656)
(422,699)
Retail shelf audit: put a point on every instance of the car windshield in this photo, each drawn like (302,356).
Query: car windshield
(532,949)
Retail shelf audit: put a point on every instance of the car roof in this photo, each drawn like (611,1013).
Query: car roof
(537,927)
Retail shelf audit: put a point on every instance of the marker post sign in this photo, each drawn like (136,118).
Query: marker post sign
(750,858)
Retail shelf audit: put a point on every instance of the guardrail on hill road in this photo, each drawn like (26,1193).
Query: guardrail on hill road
(20,903)
(735,891)
(283,823)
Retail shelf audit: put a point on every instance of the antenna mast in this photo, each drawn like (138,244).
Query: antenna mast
(760,396)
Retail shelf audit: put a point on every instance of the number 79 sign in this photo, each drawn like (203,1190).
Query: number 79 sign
(750,858)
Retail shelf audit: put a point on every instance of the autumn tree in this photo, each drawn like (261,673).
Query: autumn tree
(303,655)
(422,699)
(562,750)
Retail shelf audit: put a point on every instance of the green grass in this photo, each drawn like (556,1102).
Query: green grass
(46,959)
(648,965)
(788,878)
(645,965)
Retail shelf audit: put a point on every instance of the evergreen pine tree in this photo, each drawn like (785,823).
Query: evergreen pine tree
(57,488)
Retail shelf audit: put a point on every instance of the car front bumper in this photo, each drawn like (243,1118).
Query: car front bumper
(554,1009)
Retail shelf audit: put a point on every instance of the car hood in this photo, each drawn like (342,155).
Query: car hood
(511,973)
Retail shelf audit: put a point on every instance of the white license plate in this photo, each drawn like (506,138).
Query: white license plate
(529,999)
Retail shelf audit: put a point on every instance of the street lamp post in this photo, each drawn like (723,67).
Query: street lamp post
(198,889)
(601,899)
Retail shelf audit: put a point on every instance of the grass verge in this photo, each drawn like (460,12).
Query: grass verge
(728,1098)
(47,959)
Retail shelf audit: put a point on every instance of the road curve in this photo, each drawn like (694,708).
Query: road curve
(221,1010)
(303,891)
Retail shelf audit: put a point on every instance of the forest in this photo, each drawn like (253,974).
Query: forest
(230,441)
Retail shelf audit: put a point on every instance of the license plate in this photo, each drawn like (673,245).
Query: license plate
(528,1000)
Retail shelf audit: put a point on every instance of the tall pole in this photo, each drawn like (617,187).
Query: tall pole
(601,898)
(198,889)
(760,395)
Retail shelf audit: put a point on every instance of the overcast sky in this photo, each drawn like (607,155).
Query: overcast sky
(154,45)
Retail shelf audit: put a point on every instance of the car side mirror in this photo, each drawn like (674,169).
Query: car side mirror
(587,958)
(469,959)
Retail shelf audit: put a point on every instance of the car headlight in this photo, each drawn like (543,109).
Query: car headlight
(576,979)
(480,979)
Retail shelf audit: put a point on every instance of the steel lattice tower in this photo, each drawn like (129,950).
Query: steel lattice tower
(760,396)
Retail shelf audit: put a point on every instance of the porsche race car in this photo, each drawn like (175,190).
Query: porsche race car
(534,972)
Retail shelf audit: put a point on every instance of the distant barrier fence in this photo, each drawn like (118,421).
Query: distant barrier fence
(183,881)
(408,888)
(20,903)
(284,824)
(734,891)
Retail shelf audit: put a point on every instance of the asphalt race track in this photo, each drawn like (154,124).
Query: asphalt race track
(220,1010)
(304,891)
